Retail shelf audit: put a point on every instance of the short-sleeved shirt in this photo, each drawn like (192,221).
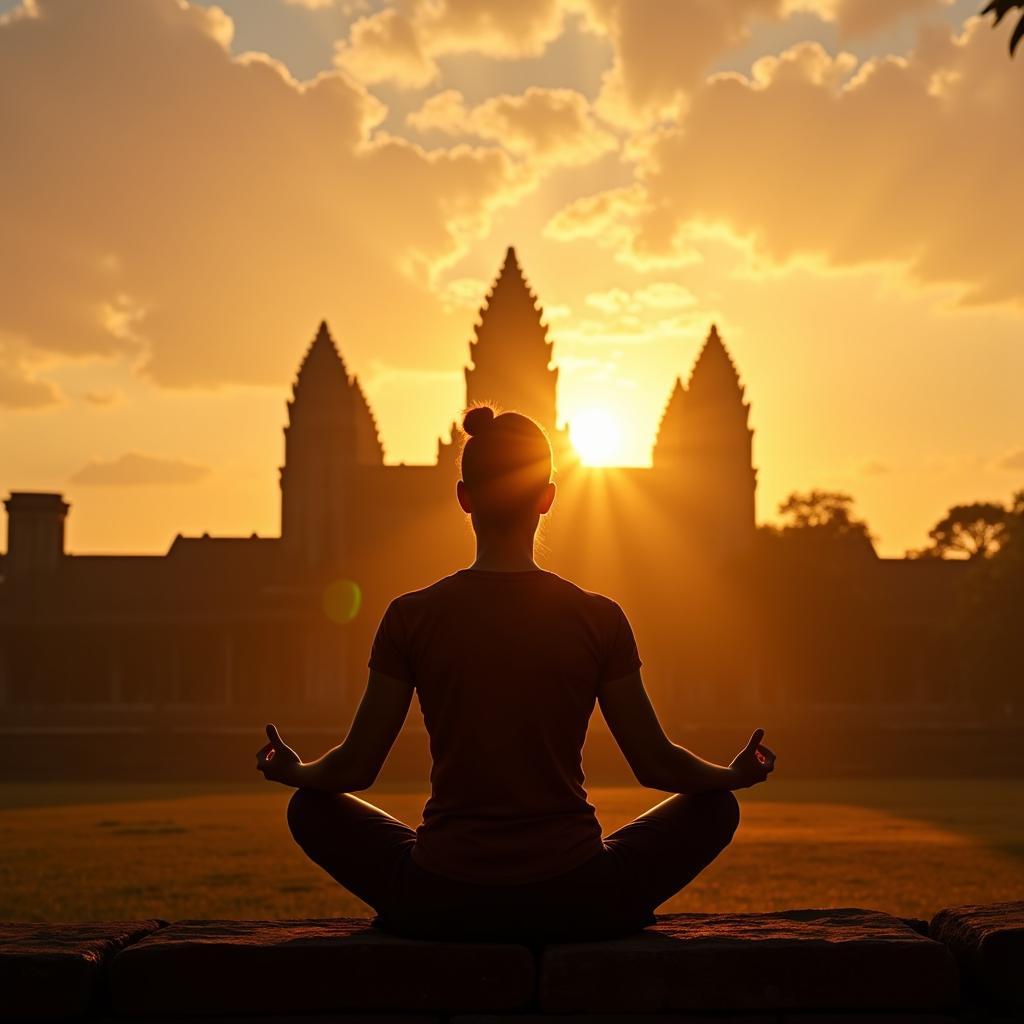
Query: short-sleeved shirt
(507,667)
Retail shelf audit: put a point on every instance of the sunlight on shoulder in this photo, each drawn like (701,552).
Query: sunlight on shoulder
(597,436)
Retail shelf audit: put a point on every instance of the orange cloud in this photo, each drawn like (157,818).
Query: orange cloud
(662,51)
(896,160)
(19,386)
(135,469)
(400,44)
(550,126)
(171,203)
(865,17)
(386,47)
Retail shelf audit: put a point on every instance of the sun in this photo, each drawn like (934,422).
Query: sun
(596,437)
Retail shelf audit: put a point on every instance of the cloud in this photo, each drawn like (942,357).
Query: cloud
(874,468)
(501,30)
(401,44)
(103,398)
(550,126)
(662,51)
(20,388)
(1013,461)
(899,161)
(607,215)
(136,469)
(658,295)
(348,6)
(386,47)
(203,212)
(855,18)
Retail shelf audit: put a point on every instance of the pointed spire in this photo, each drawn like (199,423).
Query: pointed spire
(369,450)
(714,376)
(322,370)
(510,294)
(709,412)
(511,353)
(671,426)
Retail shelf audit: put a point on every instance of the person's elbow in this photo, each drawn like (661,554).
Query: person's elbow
(651,771)
(362,781)
(357,778)
(345,778)
(652,779)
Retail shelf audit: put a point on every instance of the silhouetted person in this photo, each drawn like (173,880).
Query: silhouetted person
(508,660)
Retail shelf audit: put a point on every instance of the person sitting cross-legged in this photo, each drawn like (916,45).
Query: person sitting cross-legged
(508,660)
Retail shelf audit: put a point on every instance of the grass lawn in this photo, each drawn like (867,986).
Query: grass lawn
(94,851)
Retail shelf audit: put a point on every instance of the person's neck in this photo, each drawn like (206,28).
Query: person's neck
(504,553)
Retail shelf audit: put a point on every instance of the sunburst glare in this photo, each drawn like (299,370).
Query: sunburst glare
(597,437)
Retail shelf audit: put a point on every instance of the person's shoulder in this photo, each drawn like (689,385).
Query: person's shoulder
(414,599)
(590,599)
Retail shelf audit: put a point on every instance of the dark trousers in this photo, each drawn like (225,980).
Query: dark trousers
(615,892)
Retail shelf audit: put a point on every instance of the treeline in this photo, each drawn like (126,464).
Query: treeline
(817,573)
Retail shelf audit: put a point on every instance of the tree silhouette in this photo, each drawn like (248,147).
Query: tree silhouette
(816,602)
(821,524)
(1001,8)
(990,628)
(975,531)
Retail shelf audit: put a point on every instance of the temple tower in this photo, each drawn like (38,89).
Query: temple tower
(704,447)
(330,432)
(511,354)
(511,357)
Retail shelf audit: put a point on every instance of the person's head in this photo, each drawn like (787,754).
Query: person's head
(506,470)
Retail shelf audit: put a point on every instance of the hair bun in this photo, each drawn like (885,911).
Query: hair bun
(478,419)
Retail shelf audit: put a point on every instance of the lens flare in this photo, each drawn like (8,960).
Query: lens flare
(341,601)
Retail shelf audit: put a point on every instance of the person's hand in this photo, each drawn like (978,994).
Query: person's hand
(277,761)
(753,763)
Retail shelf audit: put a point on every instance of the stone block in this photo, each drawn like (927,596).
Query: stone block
(615,1018)
(54,971)
(867,1018)
(287,1018)
(318,966)
(988,943)
(835,959)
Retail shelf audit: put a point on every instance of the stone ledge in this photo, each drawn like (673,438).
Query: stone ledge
(54,971)
(835,966)
(706,1018)
(988,943)
(194,968)
(841,959)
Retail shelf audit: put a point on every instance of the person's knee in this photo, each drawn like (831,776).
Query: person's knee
(304,810)
(723,809)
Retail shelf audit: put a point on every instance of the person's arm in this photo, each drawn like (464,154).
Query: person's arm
(355,763)
(657,762)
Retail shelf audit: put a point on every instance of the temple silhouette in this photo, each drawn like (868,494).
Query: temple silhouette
(225,628)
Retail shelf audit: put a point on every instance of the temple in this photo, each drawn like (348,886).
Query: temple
(229,627)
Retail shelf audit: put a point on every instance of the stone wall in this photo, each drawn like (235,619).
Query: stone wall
(832,966)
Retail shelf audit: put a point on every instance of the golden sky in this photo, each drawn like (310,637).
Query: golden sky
(186,190)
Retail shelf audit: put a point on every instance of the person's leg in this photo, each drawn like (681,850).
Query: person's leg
(357,844)
(668,846)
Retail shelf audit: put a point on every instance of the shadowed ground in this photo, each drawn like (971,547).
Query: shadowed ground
(96,851)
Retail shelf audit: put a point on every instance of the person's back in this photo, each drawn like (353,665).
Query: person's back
(506,666)
(508,660)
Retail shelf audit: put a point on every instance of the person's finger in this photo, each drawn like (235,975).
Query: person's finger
(755,739)
(766,750)
(274,736)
